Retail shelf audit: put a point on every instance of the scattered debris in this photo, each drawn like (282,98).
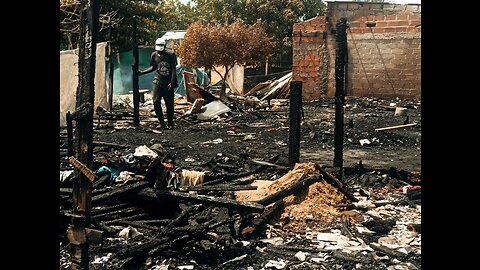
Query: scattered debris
(195,196)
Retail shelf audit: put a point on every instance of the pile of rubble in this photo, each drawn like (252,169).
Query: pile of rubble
(159,216)
(156,205)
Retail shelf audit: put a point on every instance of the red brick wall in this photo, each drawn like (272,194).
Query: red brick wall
(310,57)
(382,61)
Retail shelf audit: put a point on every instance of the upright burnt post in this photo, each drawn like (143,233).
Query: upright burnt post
(340,61)
(136,94)
(69,134)
(110,65)
(294,116)
(82,192)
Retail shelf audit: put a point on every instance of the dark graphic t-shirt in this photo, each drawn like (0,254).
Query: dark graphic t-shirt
(165,64)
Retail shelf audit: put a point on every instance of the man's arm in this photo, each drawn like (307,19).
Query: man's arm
(146,71)
(149,69)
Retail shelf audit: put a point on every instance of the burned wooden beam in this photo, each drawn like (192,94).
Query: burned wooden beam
(108,208)
(232,178)
(82,111)
(294,120)
(189,232)
(181,218)
(259,223)
(98,143)
(124,218)
(152,221)
(147,195)
(110,66)
(69,134)
(101,181)
(390,252)
(85,97)
(169,244)
(222,188)
(340,92)
(123,190)
(336,183)
(117,212)
(143,249)
(298,186)
(222,202)
(139,225)
(136,93)
(200,228)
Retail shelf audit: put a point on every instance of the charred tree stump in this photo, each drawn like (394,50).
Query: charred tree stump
(87,46)
(340,71)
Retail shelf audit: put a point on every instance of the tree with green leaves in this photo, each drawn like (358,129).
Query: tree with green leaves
(154,18)
(212,45)
(277,15)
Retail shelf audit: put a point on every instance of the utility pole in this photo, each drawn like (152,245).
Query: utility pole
(82,192)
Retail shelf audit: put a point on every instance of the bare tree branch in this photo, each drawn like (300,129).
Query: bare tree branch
(71,20)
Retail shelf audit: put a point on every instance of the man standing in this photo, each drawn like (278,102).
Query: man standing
(164,82)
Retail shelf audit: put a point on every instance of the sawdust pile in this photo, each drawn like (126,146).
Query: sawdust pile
(265,188)
(317,203)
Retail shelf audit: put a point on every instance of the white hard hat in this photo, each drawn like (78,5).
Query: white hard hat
(160,44)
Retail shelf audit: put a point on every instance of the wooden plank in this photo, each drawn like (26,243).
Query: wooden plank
(91,175)
(396,127)
(257,87)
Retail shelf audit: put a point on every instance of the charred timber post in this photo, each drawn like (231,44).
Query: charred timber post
(69,135)
(340,61)
(136,93)
(110,65)
(77,233)
(294,116)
